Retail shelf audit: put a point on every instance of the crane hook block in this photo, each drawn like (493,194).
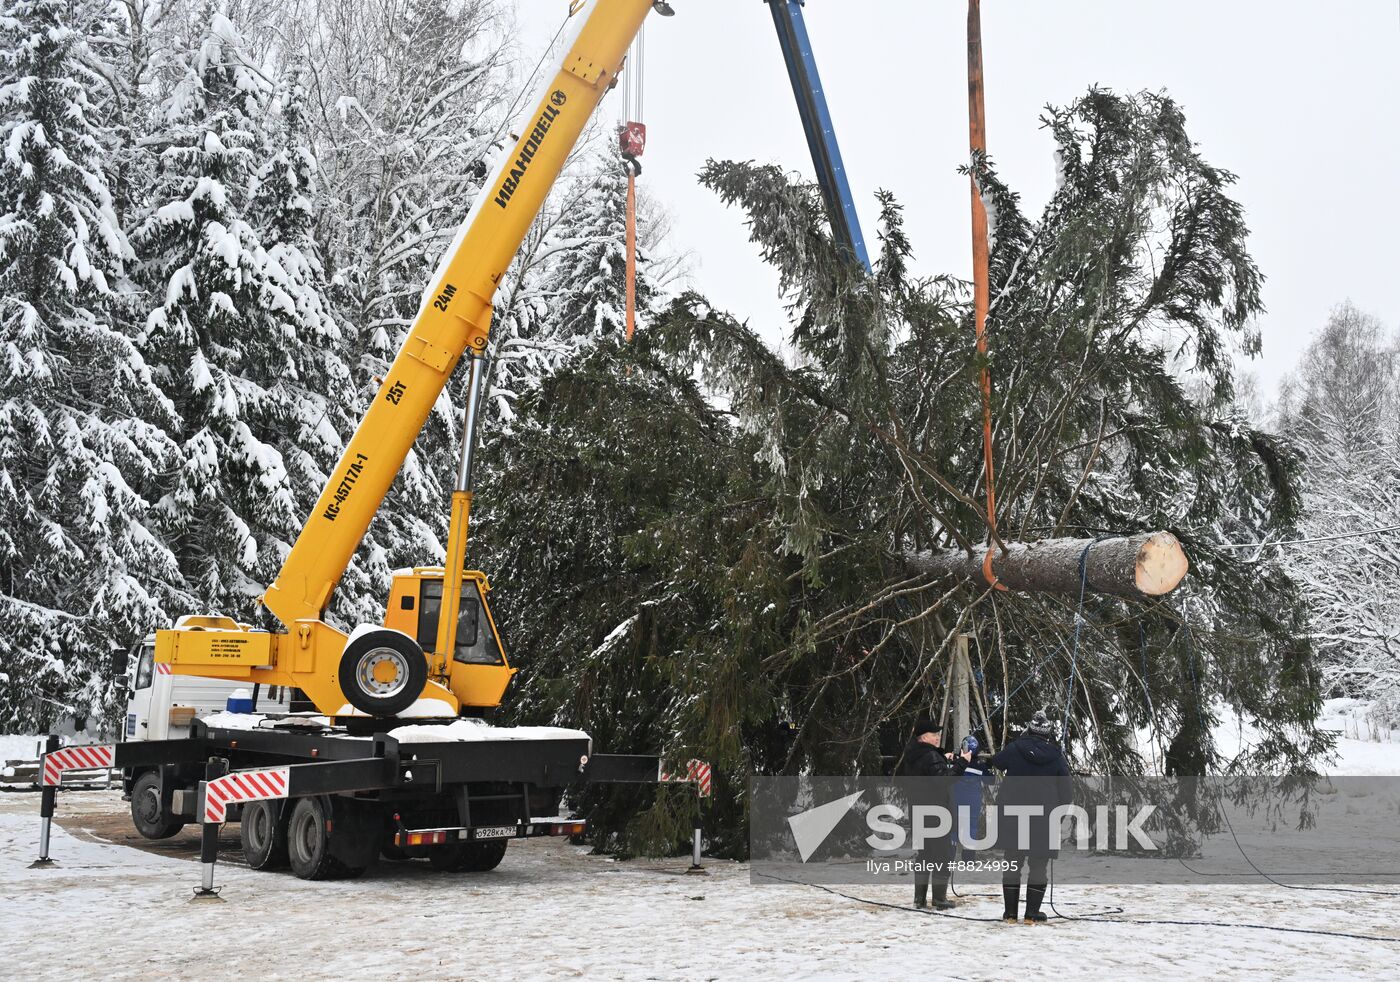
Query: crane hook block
(633,138)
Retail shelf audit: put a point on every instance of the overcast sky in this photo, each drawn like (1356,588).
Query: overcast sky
(1298,99)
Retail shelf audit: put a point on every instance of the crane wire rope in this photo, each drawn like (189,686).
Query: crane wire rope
(633,123)
(981,270)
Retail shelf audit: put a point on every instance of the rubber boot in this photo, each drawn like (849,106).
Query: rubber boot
(940,897)
(921,894)
(1035,893)
(1011,895)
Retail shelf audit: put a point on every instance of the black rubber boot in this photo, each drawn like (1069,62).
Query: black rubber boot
(920,894)
(1035,893)
(940,897)
(1011,895)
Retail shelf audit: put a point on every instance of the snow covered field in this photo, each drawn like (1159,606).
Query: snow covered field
(552,911)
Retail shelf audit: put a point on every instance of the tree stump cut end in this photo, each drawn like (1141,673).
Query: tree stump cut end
(1161,565)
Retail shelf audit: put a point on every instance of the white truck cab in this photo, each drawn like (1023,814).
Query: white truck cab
(161,704)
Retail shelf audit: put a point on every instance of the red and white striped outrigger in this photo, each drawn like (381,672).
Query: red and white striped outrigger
(243,786)
(85,758)
(697,772)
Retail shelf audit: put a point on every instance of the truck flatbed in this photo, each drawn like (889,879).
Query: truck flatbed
(330,801)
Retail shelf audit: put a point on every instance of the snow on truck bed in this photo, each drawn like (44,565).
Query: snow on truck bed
(459,731)
(476,731)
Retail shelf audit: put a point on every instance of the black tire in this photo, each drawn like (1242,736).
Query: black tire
(150,819)
(263,833)
(383,648)
(469,857)
(309,843)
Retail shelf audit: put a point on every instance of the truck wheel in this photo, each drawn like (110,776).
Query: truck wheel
(150,819)
(383,672)
(309,843)
(263,832)
(469,857)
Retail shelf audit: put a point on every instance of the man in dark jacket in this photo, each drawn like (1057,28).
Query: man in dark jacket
(924,758)
(1033,754)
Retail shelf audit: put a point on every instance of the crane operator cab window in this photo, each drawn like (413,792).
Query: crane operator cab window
(476,643)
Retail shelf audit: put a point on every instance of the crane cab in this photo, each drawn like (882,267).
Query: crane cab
(477,671)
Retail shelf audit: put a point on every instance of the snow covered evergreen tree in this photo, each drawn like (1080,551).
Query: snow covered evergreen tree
(239,334)
(80,420)
(408,103)
(1342,406)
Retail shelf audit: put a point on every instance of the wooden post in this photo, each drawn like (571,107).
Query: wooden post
(961,682)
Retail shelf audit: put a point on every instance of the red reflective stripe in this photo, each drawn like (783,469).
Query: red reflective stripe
(263,784)
(87,757)
(243,787)
(215,791)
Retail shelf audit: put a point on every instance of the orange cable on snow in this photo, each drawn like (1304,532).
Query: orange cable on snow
(981,276)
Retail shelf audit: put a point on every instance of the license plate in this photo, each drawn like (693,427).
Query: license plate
(495,832)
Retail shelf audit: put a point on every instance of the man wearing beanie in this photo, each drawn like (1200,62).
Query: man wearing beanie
(1033,754)
(924,758)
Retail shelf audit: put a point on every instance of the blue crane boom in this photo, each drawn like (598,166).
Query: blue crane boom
(816,120)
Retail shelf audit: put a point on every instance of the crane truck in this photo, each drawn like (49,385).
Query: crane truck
(394,761)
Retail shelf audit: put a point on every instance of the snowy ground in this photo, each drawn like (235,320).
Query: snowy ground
(552,911)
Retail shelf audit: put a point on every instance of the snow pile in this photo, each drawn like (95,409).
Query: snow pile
(254,721)
(474,730)
(421,708)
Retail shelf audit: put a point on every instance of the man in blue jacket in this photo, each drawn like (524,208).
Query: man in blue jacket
(1033,754)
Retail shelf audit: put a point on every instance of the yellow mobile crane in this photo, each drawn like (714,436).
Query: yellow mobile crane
(438,647)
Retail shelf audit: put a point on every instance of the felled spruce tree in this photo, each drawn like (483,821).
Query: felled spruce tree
(791,633)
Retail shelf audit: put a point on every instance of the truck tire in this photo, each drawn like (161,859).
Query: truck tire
(383,672)
(469,857)
(263,833)
(309,843)
(147,814)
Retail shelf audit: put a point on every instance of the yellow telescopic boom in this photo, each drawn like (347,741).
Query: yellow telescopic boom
(455,319)
(456,313)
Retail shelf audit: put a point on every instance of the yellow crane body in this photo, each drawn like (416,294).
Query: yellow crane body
(454,320)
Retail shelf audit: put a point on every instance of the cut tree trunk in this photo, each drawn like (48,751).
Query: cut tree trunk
(1149,564)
